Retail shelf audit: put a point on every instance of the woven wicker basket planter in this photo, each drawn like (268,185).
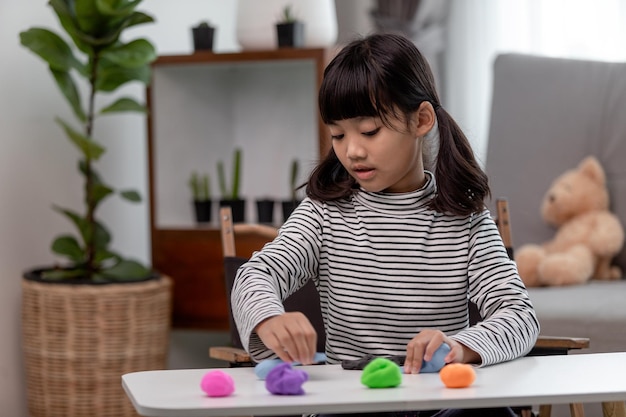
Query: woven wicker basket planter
(79,339)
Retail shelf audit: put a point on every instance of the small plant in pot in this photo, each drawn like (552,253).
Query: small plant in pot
(230,196)
(203,35)
(289,30)
(289,206)
(201,192)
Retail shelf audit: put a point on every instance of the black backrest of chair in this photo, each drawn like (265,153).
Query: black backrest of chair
(306,300)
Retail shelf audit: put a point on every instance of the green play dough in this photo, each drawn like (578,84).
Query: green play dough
(381,373)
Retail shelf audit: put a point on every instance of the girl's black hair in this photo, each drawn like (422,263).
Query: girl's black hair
(381,76)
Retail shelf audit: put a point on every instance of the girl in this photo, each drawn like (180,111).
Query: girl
(394,232)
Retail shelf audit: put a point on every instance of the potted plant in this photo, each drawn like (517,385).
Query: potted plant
(230,196)
(289,206)
(78,317)
(289,30)
(265,210)
(201,192)
(203,36)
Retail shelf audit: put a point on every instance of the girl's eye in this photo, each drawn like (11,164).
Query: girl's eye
(336,137)
(372,132)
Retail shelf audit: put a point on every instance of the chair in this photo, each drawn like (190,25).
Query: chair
(306,300)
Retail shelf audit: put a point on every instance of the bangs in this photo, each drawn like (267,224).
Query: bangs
(352,89)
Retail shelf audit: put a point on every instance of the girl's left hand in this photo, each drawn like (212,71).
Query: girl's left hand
(423,346)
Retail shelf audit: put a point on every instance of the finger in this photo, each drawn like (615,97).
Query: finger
(283,353)
(433,345)
(304,339)
(409,359)
(310,343)
(278,347)
(415,349)
(455,350)
(274,335)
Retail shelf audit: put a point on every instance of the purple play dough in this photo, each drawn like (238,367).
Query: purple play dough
(285,380)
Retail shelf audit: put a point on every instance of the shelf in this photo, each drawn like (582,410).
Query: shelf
(201,107)
(317,55)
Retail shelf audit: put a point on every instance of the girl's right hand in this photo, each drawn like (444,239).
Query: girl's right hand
(290,336)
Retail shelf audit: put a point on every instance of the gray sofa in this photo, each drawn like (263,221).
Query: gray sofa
(547,115)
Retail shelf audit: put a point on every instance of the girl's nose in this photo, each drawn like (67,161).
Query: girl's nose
(355,150)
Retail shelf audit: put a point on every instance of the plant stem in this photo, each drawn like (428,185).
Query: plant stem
(90,215)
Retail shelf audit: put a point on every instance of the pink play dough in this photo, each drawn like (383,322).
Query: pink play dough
(217,384)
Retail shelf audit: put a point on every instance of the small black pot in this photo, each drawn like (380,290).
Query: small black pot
(203,210)
(203,38)
(290,35)
(288,207)
(265,211)
(238,208)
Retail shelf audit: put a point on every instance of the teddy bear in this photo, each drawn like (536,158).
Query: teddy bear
(587,236)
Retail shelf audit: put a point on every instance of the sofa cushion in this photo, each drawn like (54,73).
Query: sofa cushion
(595,310)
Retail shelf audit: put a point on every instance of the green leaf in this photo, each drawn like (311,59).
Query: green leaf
(68,88)
(116,8)
(51,48)
(89,19)
(114,30)
(104,255)
(133,54)
(124,104)
(127,270)
(131,195)
(62,8)
(68,246)
(137,18)
(102,237)
(112,76)
(82,167)
(79,221)
(88,147)
(100,192)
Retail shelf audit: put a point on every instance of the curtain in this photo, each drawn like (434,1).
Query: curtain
(423,21)
(478,30)
(395,15)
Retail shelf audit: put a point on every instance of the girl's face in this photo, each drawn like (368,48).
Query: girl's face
(380,157)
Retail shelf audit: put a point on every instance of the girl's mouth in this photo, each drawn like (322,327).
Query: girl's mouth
(364,173)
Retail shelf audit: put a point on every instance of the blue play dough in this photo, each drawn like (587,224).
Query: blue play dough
(264,367)
(436,362)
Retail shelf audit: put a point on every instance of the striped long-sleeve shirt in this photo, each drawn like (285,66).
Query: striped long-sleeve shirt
(386,266)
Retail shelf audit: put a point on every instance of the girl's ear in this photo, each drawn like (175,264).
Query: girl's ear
(424,119)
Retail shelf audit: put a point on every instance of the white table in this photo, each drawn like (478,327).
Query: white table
(330,389)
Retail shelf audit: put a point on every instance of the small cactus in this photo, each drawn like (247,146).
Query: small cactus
(295,168)
(233,194)
(200,186)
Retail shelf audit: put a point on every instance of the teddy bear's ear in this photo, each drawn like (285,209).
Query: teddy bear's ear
(591,168)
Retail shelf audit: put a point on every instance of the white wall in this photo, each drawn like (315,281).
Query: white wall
(38,165)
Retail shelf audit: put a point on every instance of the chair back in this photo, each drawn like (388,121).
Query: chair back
(547,114)
(306,300)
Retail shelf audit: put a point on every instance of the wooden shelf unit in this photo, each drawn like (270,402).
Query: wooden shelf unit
(190,255)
